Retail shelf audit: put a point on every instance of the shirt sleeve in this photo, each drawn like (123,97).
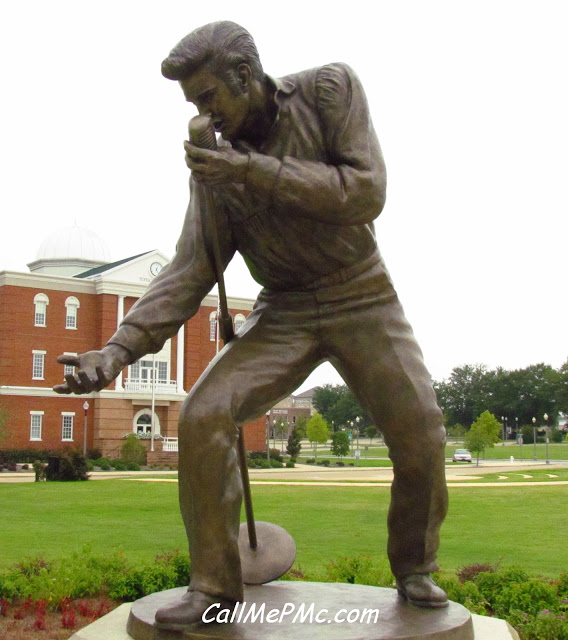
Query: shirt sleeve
(175,294)
(351,188)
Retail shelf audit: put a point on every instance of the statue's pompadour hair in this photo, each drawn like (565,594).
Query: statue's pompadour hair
(220,45)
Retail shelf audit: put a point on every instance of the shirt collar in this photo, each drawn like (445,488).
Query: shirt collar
(283,89)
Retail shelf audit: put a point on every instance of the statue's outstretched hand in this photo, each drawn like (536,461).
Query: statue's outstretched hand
(95,369)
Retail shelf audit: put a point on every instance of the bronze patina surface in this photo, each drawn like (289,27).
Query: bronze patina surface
(295,185)
(396,619)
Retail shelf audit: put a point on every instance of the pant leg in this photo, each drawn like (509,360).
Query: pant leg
(372,345)
(269,358)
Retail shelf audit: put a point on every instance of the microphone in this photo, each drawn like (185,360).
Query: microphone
(202,133)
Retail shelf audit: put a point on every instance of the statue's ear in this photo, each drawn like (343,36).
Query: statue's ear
(244,75)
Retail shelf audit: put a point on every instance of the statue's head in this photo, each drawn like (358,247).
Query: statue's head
(219,46)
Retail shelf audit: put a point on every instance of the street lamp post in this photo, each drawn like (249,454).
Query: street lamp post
(534,438)
(517,428)
(545,416)
(357,420)
(85,408)
(503,425)
(268,435)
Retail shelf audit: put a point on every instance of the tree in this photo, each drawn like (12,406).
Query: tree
(294,447)
(317,431)
(339,443)
(338,405)
(517,395)
(301,426)
(371,432)
(483,433)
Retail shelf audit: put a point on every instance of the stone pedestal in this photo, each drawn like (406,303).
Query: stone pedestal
(311,610)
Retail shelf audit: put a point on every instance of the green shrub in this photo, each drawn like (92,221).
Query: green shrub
(562,586)
(290,464)
(465,593)
(82,575)
(275,454)
(532,597)
(251,464)
(491,583)
(68,466)
(360,570)
(545,626)
(132,466)
(263,463)
(275,464)
(93,454)
(310,461)
(100,462)
(119,465)
(133,450)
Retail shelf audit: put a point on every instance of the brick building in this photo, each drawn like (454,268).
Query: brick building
(72,301)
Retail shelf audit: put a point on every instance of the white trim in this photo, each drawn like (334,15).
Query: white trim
(68,413)
(97,285)
(45,281)
(40,351)
(37,413)
(109,394)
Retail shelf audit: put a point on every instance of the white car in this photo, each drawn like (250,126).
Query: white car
(462,455)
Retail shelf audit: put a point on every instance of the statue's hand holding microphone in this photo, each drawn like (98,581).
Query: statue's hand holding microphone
(209,164)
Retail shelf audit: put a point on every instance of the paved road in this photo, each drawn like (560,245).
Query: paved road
(304,473)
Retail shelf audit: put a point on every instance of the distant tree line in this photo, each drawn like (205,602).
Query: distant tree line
(519,395)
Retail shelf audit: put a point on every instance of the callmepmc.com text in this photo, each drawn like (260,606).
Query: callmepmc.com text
(289,613)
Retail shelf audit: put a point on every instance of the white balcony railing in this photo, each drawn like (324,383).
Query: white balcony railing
(142,386)
(169,444)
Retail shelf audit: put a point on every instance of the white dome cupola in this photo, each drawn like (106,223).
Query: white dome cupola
(70,251)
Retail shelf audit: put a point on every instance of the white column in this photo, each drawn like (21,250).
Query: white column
(180,361)
(119,316)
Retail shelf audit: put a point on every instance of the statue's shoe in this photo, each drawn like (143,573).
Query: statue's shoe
(420,590)
(189,610)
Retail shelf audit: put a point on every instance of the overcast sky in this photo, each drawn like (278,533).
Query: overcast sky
(469,99)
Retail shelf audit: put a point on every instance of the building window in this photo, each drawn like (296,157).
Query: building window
(212,326)
(36,424)
(144,424)
(239,321)
(71,306)
(38,365)
(41,301)
(67,426)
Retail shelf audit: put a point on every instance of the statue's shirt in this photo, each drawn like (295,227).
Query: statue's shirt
(304,213)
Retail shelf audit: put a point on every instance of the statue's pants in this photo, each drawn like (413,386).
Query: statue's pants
(360,327)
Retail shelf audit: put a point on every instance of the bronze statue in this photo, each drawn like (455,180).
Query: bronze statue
(297,182)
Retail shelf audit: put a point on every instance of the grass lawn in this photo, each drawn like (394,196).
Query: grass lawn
(556,451)
(506,524)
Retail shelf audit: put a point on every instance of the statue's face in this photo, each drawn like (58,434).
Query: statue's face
(213,97)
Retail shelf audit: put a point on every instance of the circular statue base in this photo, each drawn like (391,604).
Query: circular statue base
(295,610)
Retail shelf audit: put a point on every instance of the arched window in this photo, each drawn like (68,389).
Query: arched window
(142,423)
(239,321)
(212,326)
(71,305)
(41,301)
